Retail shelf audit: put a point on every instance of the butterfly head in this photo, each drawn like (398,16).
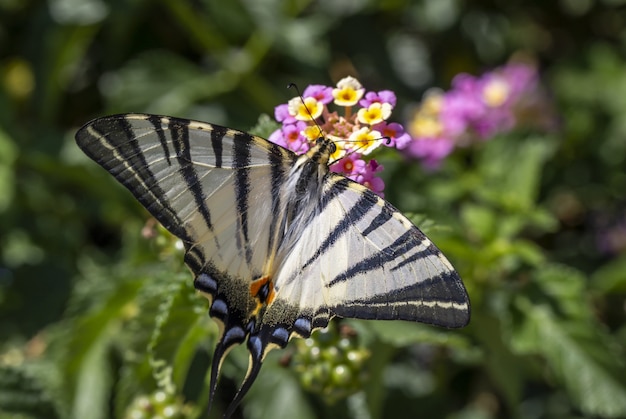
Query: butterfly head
(322,150)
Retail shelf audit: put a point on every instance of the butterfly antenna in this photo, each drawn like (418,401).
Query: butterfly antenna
(350,152)
(295,87)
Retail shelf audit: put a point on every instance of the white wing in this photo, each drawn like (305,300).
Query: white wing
(361,258)
(215,188)
(210,186)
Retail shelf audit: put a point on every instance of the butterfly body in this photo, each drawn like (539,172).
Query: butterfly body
(277,242)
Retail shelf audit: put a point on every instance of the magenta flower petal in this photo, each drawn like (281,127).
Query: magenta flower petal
(277,138)
(321,93)
(384,96)
(281,113)
(387,96)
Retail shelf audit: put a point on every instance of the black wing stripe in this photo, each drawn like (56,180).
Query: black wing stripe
(179,130)
(433,289)
(113,144)
(398,248)
(338,187)
(351,218)
(217,136)
(432,301)
(429,251)
(157,122)
(383,216)
(279,175)
(242,191)
(194,258)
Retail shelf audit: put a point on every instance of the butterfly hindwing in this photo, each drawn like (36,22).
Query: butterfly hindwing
(371,262)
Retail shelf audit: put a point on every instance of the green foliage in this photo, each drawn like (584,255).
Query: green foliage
(22,392)
(99,317)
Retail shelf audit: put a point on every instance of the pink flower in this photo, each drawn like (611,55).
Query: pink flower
(351,165)
(290,137)
(321,93)
(461,107)
(384,96)
(369,179)
(395,132)
(353,124)
(281,113)
(431,151)
(476,109)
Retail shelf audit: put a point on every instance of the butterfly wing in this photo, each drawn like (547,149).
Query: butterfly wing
(361,258)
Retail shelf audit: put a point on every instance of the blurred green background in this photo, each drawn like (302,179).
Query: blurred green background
(98,315)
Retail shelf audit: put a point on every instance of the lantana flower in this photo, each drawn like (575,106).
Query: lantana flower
(358,124)
(476,109)
(348,92)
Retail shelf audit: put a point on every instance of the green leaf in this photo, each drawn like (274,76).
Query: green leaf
(146,84)
(165,298)
(279,396)
(174,339)
(611,278)
(93,382)
(264,126)
(86,344)
(578,356)
(501,364)
(480,221)
(401,334)
(566,287)
(511,169)
(22,392)
(8,154)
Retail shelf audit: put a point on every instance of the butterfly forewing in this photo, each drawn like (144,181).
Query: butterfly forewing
(196,179)
(276,242)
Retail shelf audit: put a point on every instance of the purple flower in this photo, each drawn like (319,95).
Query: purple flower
(352,165)
(476,109)
(353,125)
(460,108)
(321,93)
(395,132)
(290,137)
(281,113)
(384,96)
(431,151)
(369,179)
(521,77)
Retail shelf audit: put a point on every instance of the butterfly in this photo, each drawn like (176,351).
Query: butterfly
(277,242)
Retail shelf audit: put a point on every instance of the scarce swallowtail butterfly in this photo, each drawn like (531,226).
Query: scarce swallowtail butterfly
(277,242)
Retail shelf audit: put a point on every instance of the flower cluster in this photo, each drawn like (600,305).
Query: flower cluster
(475,109)
(360,127)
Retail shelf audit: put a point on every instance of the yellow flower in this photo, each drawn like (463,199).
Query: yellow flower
(312,132)
(425,126)
(307,111)
(365,140)
(375,114)
(496,92)
(348,92)
(432,102)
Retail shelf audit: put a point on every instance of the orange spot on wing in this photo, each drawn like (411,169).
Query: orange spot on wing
(257,288)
